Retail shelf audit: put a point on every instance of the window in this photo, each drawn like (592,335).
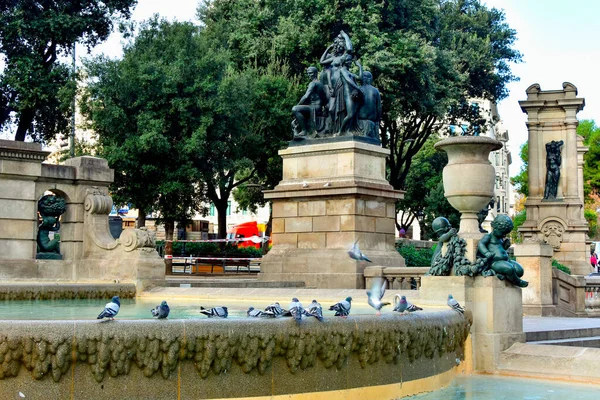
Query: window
(228,212)
(212,210)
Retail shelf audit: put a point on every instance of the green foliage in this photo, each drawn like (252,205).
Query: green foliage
(591,217)
(591,169)
(518,220)
(521,180)
(36,86)
(561,267)
(414,257)
(211,249)
(427,57)
(146,108)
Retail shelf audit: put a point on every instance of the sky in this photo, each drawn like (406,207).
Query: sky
(559,41)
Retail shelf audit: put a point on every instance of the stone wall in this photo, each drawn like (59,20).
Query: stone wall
(224,359)
(89,252)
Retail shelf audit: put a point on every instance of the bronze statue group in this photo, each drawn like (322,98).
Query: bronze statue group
(334,103)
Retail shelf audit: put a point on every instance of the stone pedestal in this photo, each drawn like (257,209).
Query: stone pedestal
(497,312)
(552,115)
(331,195)
(536,259)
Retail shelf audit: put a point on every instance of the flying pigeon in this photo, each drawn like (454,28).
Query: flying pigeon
(376,294)
(161,311)
(316,310)
(218,312)
(342,309)
(453,304)
(253,312)
(111,309)
(356,254)
(297,310)
(404,305)
(276,309)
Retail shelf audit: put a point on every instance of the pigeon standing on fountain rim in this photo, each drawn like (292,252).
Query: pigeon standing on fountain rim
(402,305)
(316,310)
(453,304)
(161,311)
(342,309)
(219,312)
(111,309)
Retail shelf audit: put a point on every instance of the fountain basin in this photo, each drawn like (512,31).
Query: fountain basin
(229,359)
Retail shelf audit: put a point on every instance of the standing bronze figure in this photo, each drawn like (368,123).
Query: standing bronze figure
(553,162)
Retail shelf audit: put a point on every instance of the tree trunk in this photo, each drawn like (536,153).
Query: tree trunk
(169,228)
(25,120)
(268,230)
(221,207)
(141,219)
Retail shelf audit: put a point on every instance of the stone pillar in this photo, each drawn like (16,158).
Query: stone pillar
(497,313)
(552,115)
(332,194)
(20,167)
(536,259)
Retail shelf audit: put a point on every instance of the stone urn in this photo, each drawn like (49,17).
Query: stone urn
(469,178)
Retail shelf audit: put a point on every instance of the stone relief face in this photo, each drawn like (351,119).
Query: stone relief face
(553,232)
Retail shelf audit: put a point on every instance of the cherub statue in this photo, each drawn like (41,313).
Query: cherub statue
(492,249)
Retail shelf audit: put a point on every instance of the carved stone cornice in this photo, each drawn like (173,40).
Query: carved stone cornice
(22,151)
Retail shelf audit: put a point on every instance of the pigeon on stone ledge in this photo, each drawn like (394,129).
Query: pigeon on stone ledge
(297,310)
(342,309)
(376,294)
(453,304)
(316,310)
(276,309)
(356,254)
(161,311)
(402,305)
(215,312)
(111,309)
(253,312)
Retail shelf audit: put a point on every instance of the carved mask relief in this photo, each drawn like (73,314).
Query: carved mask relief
(553,232)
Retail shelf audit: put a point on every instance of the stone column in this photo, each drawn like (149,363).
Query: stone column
(20,167)
(536,259)
(552,115)
(332,195)
(497,313)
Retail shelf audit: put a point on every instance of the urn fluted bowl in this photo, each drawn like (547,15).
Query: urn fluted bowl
(469,177)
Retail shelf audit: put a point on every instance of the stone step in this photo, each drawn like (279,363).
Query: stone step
(561,334)
(593,341)
(551,361)
(229,283)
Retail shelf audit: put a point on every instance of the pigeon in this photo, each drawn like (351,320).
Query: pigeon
(297,310)
(219,312)
(111,309)
(253,312)
(161,311)
(304,184)
(404,305)
(453,304)
(342,309)
(356,254)
(276,309)
(316,310)
(376,294)
(327,184)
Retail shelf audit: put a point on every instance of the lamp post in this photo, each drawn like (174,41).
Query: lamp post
(72,136)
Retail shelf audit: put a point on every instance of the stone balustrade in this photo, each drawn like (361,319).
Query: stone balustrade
(401,278)
(575,296)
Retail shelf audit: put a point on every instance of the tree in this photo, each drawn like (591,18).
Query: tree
(428,57)
(521,180)
(424,194)
(145,110)
(241,134)
(36,88)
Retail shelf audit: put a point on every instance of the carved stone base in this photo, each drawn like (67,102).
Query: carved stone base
(48,256)
(331,196)
(497,312)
